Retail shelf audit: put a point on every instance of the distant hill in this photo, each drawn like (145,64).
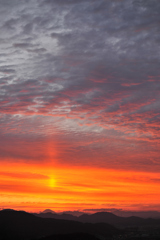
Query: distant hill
(117,212)
(142,214)
(48,211)
(73,213)
(21,225)
(63,216)
(105,217)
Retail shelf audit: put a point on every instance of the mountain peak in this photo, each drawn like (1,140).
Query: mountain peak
(48,211)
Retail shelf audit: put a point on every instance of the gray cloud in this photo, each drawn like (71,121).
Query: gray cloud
(22,45)
(91,60)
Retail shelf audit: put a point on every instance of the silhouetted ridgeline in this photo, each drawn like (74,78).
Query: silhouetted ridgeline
(105,217)
(20,225)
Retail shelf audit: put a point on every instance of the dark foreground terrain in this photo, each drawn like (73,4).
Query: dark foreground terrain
(20,225)
(71,236)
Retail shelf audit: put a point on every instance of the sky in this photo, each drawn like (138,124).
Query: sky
(80,105)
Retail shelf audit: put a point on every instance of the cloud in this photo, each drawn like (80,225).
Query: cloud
(87,65)
(22,45)
(23,176)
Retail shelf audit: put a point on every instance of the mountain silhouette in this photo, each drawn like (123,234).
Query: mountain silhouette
(63,216)
(105,217)
(48,211)
(73,213)
(22,225)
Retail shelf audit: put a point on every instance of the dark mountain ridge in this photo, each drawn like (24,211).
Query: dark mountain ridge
(117,212)
(105,217)
(22,225)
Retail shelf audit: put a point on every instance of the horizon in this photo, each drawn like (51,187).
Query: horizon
(80,105)
(78,215)
(74,212)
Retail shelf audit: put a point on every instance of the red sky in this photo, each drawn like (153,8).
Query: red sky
(79,105)
(51,174)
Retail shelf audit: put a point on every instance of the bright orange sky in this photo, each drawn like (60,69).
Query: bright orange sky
(79,105)
(34,187)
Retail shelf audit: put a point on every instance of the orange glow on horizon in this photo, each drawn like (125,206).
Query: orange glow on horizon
(37,187)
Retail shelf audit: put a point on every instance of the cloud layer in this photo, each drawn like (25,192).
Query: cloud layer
(88,68)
